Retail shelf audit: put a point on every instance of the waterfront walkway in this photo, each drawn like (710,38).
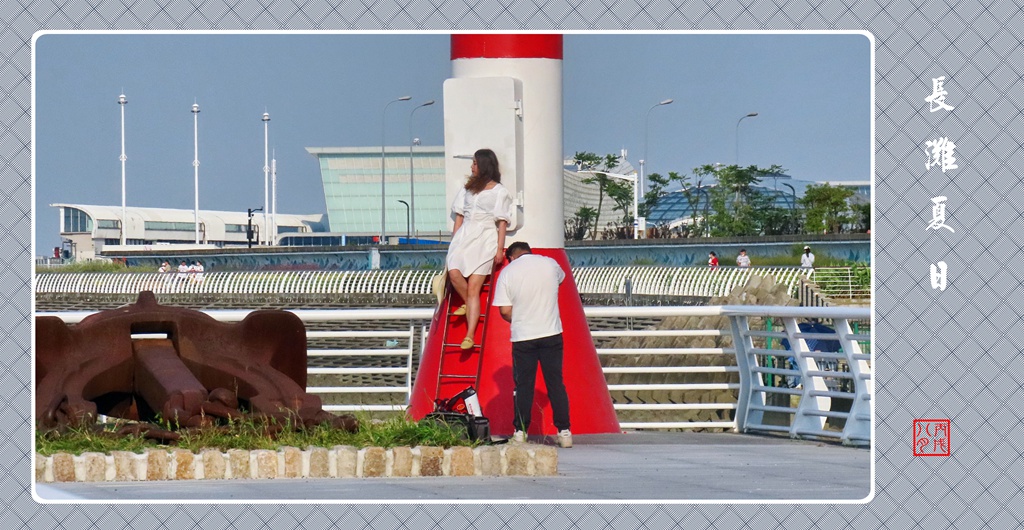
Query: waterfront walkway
(637,466)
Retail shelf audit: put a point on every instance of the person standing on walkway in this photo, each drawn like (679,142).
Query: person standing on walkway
(743,260)
(483,209)
(807,258)
(527,296)
(183,272)
(712,260)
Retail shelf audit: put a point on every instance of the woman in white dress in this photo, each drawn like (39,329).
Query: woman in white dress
(483,209)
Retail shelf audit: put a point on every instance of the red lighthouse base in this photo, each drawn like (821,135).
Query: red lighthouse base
(590,405)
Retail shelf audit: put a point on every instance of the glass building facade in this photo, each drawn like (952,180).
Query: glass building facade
(352,185)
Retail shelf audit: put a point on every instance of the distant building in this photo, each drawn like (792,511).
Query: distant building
(676,208)
(351,179)
(352,183)
(88,229)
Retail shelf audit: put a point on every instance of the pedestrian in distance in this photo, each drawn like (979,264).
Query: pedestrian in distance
(482,209)
(743,260)
(712,260)
(526,295)
(807,258)
(183,271)
(197,271)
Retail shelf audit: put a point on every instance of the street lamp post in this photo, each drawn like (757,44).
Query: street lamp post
(383,122)
(412,181)
(408,229)
(266,173)
(647,120)
(122,101)
(749,115)
(195,162)
(636,196)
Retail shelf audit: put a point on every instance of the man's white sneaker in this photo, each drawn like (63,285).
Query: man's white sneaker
(519,437)
(565,438)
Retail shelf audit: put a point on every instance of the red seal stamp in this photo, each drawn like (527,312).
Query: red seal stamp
(931,437)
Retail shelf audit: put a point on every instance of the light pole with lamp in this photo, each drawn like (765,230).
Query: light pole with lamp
(122,101)
(642,184)
(412,181)
(266,173)
(636,196)
(749,115)
(195,162)
(408,230)
(647,120)
(383,122)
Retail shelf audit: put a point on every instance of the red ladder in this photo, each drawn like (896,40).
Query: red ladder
(461,368)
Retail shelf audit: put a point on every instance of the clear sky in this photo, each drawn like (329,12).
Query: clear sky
(812,93)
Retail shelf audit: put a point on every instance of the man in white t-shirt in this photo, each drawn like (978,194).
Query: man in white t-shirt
(182,272)
(527,296)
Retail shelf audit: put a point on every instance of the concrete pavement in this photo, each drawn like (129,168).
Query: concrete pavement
(635,466)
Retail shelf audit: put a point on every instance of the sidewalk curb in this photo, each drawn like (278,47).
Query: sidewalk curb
(291,462)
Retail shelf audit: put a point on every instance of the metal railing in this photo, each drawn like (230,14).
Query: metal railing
(753,398)
(640,280)
(842,284)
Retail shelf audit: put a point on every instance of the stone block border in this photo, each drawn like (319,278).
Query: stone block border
(291,462)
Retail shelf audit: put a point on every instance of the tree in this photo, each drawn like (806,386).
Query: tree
(826,208)
(576,228)
(862,216)
(658,186)
(586,160)
(738,208)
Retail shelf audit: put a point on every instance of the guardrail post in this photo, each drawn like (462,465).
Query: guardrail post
(858,423)
(745,361)
(802,420)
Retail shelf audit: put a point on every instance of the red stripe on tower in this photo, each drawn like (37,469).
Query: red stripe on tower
(507,46)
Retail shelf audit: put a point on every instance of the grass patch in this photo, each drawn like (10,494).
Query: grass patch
(248,435)
(96,265)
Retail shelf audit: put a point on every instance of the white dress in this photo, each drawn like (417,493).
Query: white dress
(474,246)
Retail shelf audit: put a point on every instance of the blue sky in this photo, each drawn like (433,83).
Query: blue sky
(812,92)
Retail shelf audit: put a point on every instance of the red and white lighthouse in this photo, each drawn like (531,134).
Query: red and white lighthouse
(505,94)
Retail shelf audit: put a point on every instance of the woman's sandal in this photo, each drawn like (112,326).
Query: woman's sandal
(461,310)
(467,343)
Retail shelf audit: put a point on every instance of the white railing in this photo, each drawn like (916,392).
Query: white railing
(640,280)
(679,281)
(754,389)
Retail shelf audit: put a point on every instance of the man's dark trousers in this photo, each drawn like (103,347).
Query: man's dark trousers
(525,356)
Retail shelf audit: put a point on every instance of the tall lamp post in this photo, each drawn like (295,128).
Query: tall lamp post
(408,229)
(636,196)
(122,101)
(412,181)
(750,115)
(647,120)
(383,122)
(266,173)
(195,162)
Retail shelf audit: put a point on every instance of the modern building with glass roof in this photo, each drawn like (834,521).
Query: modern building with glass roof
(675,208)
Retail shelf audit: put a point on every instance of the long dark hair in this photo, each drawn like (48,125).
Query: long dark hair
(486,171)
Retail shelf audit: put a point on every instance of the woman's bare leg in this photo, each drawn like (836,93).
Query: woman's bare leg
(475,285)
(459,283)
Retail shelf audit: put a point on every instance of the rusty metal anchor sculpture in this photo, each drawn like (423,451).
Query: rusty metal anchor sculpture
(201,371)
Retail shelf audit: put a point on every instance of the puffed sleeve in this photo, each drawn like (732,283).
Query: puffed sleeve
(459,204)
(503,205)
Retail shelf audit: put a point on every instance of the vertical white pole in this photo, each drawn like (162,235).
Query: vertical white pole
(273,200)
(122,101)
(266,172)
(195,162)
